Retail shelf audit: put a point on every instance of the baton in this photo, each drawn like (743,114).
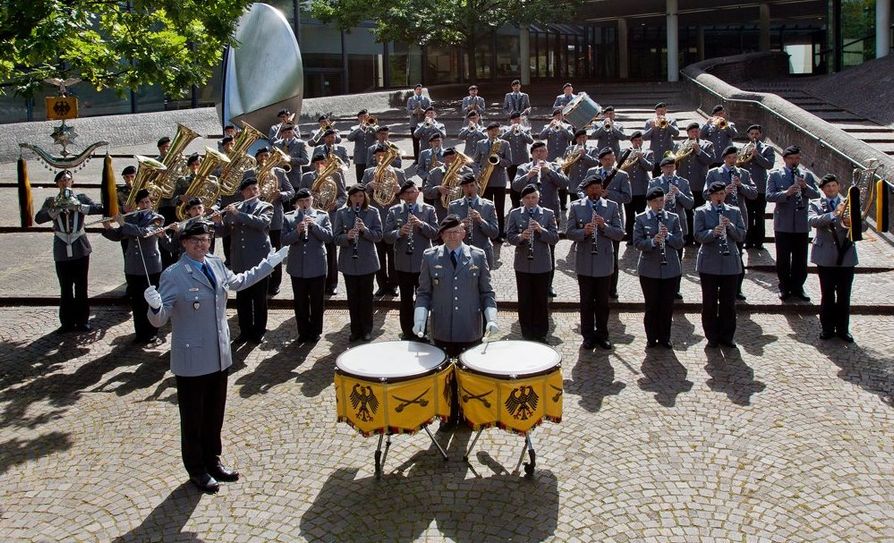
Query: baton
(143,260)
(486,341)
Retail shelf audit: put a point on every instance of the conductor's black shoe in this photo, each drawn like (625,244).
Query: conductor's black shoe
(588,344)
(552,292)
(206,483)
(613,295)
(712,344)
(379,292)
(801,296)
(846,336)
(83,327)
(651,343)
(678,296)
(741,297)
(827,335)
(666,344)
(729,343)
(784,296)
(223,473)
(604,344)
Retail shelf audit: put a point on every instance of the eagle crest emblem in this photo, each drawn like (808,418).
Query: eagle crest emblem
(522,402)
(364,402)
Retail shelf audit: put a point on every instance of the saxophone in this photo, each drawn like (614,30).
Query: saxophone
(204,186)
(324,188)
(492,160)
(385,180)
(240,161)
(451,179)
(268,182)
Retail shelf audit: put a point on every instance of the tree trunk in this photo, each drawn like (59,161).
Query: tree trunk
(473,64)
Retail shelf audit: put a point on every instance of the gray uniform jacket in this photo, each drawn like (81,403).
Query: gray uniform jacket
(430,188)
(469,101)
(307,258)
(563,100)
(286,193)
(645,227)
(710,257)
(397,216)
(456,297)
(609,138)
(618,190)
(362,139)
(340,152)
(557,139)
(641,173)
(790,212)
(297,151)
(423,132)
(133,230)
(661,139)
(519,145)
(828,227)
(695,166)
(746,190)
(425,162)
(580,213)
(371,159)
(516,101)
(498,177)
(471,137)
(516,223)
(69,240)
(759,166)
(483,232)
(422,102)
(200,340)
(249,234)
(369,175)
(551,180)
(367,260)
(683,199)
(307,182)
(720,137)
(578,171)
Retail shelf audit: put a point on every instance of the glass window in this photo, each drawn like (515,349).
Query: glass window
(507,56)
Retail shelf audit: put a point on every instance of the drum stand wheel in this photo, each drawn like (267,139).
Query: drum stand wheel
(379,456)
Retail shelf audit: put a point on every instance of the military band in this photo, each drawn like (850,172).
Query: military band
(435,191)
(758,162)
(308,180)
(516,101)
(639,167)
(382,135)
(279,196)
(678,199)
(720,131)
(694,157)
(617,189)
(380,179)
(566,97)
(577,161)
(609,133)
(472,132)
(660,132)
(428,128)
(493,154)
(293,148)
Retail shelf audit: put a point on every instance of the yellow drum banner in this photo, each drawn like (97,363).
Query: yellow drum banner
(373,407)
(516,405)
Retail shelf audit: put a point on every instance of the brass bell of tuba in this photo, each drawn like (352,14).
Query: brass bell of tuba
(175,163)
(384,178)
(451,179)
(325,188)
(240,161)
(268,182)
(146,172)
(204,186)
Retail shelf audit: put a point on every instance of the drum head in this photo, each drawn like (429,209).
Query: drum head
(572,105)
(390,360)
(505,358)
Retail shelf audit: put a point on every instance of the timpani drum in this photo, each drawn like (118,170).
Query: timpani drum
(510,384)
(392,387)
(581,111)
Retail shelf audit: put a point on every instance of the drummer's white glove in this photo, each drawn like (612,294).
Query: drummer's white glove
(419,318)
(152,297)
(276,258)
(490,316)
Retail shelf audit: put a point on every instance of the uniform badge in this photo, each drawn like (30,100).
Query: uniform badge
(196,305)
(436,281)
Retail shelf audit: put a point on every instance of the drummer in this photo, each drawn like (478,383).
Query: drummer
(455,285)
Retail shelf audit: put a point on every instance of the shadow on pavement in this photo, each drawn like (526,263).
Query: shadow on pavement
(592,379)
(664,375)
(166,521)
(731,375)
(19,451)
(869,370)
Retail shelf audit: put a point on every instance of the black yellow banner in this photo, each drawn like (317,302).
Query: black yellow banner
(61,107)
(516,405)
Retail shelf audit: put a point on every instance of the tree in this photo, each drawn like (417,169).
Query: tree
(114,44)
(462,23)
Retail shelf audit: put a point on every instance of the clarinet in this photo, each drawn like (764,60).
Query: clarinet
(411,242)
(355,245)
(304,235)
(469,220)
(662,246)
(531,239)
(724,244)
(594,246)
(799,198)
(734,192)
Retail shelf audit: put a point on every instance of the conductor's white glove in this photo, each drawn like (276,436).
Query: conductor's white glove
(490,316)
(152,297)
(420,315)
(276,258)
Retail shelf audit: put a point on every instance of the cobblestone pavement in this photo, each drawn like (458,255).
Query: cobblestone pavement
(787,439)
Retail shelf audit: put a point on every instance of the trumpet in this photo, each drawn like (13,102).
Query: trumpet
(607,124)
(371,124)
(661,122)
(719,122)
(429,122)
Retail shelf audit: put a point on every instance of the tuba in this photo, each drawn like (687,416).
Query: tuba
(175,164)
(147,171)
(493,159)
(203,185)
(451,179)
(241,161)
(384,179)
(325,188)
(268,182)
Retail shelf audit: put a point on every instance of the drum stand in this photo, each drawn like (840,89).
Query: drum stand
(528,447)
(380,455)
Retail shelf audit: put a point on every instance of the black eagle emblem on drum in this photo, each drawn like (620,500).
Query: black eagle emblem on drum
(522,402)
(364,402)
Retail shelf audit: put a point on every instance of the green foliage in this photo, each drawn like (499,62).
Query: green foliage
(173,44)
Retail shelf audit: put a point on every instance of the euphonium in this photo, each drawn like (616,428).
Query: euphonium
(268,182)
(240,161)
(203,185)
(451,179)
(385,179)
(146,173)
(685,150)
(744,155)
(570,159)
(325,188)
(631,160)
(493,158)
(175,163)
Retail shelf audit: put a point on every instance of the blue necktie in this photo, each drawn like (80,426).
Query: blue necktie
(208,273)
(831,205)
(453,259)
